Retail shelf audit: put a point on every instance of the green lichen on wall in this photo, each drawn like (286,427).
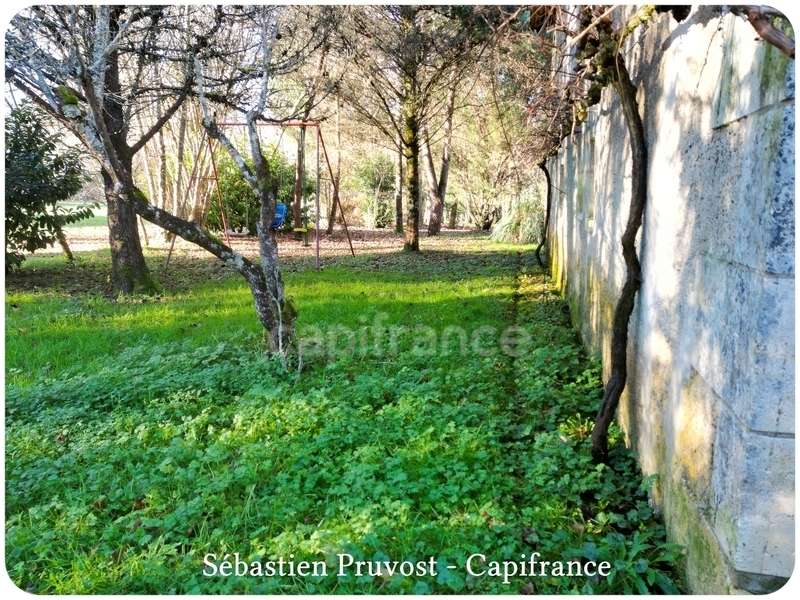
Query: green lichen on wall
(775,62)
(556,263)
(743,88)
(724,93)
(705,567)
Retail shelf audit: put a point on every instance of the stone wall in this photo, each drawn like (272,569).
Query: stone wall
(709,406)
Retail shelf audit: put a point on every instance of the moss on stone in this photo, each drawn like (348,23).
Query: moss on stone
(705,567)
(66,95)
(774,65)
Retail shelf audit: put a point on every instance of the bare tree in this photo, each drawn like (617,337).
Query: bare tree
(67,59)
(274,310)
(88,67)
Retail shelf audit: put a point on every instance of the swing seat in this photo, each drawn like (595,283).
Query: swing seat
(281,210)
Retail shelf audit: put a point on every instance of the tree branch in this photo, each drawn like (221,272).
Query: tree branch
(760,18)
(163,120)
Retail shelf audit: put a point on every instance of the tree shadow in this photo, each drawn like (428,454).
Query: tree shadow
(709,403)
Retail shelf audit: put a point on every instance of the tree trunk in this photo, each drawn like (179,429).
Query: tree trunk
(274,311)
(438,198)
(199,183)
(149,177)
(144,233)
(411,153)
(178,187)
(422,206)
(437,215)
(163,177)
(299,175)
(543,166)
(434,223)
(62,241)
(129,272)
(622,313)
(334,205)
(453,216)
(398,188)
(337,175)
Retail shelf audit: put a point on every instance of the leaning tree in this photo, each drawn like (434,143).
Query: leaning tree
(93,69)
(268,57)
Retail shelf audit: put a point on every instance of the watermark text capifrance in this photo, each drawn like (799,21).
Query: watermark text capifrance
(376,338)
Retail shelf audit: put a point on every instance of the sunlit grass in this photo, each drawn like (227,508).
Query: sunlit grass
(142,434)
(48,332)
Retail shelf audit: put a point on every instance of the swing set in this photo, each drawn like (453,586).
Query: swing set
(281,209)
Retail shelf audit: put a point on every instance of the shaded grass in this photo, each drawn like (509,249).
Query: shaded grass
(142,435)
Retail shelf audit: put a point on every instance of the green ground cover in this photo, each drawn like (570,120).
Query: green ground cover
(142,435)
(99,214)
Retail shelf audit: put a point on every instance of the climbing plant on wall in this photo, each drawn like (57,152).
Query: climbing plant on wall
(556,94)
(600,52)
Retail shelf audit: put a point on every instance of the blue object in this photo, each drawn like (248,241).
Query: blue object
(281,210)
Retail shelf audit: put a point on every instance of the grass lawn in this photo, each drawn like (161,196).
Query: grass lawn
(99,214)
(143,434)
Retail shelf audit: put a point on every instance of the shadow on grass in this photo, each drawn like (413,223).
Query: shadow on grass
(91,272)
(51,329)
(124,478)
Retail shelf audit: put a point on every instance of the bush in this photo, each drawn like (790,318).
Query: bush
(374,179)
(523,222)
(39,174)
(240,202)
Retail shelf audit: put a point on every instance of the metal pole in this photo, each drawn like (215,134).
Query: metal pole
(316,226)
(219,191)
